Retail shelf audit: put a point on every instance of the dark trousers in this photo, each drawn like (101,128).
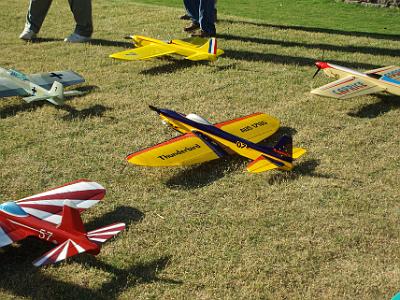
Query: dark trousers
(202,12)
(81,9)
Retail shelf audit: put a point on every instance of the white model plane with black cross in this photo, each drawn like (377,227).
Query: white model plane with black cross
(40,86)
(352,83)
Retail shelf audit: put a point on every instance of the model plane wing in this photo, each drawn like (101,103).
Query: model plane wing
(143,53)
(48,206)
(46,80)
(255,127)
(10,234)
(9,89)
(390,71)
(347,87)
(186,149)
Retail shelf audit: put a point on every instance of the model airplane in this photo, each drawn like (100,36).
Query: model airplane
(353,83)
(41,86)
(54,216)
(201,141)
(150,48)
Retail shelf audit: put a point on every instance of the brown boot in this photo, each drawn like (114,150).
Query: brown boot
(201,33)
(192,27)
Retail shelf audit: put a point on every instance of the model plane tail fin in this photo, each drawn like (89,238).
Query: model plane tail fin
(103,234)
(284,153)
(55,95)
(71,219)
(208,51)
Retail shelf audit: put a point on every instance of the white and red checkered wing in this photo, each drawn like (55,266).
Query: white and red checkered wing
(48,205)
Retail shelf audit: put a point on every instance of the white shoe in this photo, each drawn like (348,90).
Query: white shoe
(76,38)
(27,34)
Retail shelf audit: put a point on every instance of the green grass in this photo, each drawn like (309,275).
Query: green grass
(328,229)
(317,14)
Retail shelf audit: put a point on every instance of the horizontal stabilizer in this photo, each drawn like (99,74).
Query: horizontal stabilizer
(103,234)
(297,152)
(67,249)
(261,164)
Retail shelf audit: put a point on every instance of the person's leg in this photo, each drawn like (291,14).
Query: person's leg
(206,16)
(82,10)
(192,9)
(36,14)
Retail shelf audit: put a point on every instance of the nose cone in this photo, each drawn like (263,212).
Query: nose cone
(321,65)
(154,108)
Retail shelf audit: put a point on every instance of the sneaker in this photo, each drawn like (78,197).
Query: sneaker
(192,27)
(76,38)
(201,33)
(184,17)
(27,34)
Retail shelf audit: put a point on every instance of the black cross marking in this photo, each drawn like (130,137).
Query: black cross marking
(34,90)
(59,76)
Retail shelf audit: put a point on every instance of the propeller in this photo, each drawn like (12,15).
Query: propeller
(316,72)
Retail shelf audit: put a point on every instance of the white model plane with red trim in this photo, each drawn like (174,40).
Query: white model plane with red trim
(202,141)
(54,216)
(352,83)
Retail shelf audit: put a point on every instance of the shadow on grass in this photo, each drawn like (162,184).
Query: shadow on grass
(174,65)
(386,104)
(286,59)
(108,43)
(39,40)
(303,168)
(93,111)
(16,266)
(204,174)
(322,47)
(381,36)
(96,110)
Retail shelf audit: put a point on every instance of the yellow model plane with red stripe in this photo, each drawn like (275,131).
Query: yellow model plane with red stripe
(352,83)
(202,141)
(147,48)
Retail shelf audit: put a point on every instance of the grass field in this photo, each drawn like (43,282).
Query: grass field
(329,229)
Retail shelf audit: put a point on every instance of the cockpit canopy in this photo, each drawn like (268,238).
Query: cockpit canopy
(18,74)
(198,119)
(13,208)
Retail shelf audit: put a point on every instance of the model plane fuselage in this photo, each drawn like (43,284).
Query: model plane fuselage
(352,83)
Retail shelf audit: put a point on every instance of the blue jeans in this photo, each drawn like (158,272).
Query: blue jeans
(202,12)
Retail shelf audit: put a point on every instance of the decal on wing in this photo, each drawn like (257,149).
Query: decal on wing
(255,127)
(186,149)
(46,80)
(347,87)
